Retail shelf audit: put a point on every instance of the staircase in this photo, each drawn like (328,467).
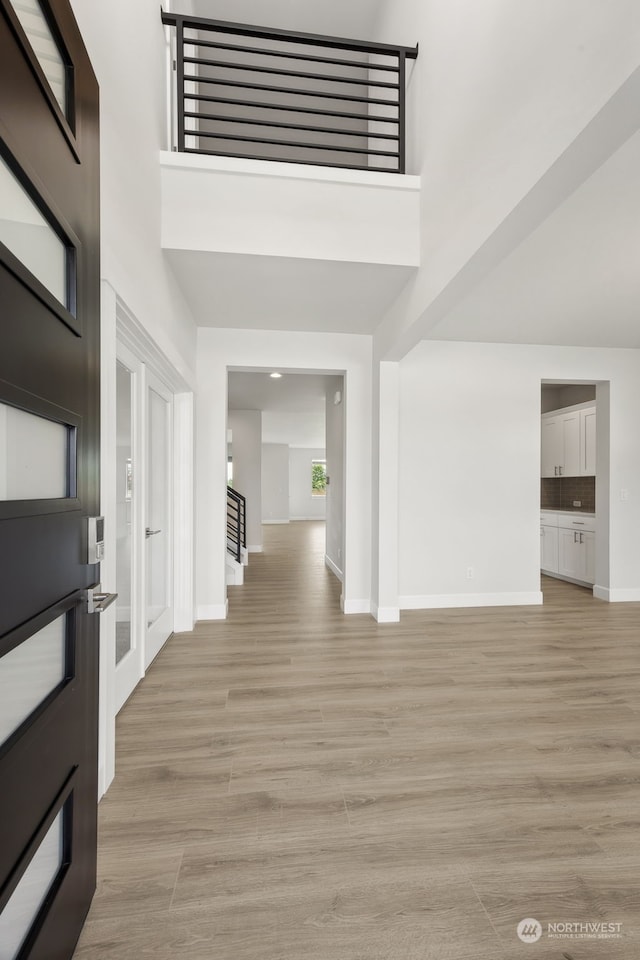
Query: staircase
(237,556)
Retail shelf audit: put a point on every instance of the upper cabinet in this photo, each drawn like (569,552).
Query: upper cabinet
(568,442)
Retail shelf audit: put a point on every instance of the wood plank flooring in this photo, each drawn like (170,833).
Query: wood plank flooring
(293,783)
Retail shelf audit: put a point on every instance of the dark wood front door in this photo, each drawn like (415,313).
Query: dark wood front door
(49,473)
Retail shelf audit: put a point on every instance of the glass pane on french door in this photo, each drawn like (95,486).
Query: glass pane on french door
(124,505)
(158,524)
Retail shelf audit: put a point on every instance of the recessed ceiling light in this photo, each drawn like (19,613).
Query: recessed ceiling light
(275,376)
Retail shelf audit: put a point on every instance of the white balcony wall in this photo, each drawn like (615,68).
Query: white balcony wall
(228,205)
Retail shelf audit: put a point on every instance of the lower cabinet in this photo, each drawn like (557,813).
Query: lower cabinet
(568,551)
(549,548)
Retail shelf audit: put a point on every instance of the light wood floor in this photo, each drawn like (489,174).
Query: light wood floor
(297,784)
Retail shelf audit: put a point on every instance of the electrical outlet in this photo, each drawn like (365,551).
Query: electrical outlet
(577,503)
(469,573)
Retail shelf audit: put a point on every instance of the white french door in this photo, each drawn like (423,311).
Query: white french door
(129,470)
(159,520)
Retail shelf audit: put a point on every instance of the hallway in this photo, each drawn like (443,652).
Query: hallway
(293,784)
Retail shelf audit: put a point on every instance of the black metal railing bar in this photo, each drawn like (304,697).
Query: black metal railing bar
(215,118)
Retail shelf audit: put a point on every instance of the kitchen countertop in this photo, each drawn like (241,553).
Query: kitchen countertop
(584,513)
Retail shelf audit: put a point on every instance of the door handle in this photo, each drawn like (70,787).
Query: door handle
(151,533)
(96,600)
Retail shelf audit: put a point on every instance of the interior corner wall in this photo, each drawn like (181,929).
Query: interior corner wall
(488,117)
(275,483)
(470,470)
(302,504)
(348,354)
(126,44)
(334,427)
(246,450)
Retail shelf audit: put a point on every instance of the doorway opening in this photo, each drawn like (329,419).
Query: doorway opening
(285,455)
(574,467)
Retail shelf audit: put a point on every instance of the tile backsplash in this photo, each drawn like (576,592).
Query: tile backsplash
(559,493)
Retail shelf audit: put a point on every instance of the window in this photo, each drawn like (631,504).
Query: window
(46,49)
(318,478)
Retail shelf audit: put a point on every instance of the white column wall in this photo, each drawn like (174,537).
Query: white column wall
(275,483)
(246,450)
(386,398)
(311,352)
(334,427)
(470,470)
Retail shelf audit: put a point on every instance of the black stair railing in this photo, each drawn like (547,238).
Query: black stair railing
(257,93)
(236,523)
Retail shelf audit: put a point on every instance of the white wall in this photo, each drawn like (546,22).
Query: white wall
(285,210)
(246,450)
(500,91)
(302,505)
(275,483)
(126,45)
(470,470)
(335,469)
(219,349)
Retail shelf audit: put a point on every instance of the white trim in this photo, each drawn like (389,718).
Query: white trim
(183,513)
(255,549)
(444,600)
(216,611)
(133,335)
(355,606)
(385,614)
(305,519)
(107,654)
(335,569)
(267,522)
(621,595)
(288,171)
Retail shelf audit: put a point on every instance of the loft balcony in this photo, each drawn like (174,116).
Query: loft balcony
(256,93)
(285,202)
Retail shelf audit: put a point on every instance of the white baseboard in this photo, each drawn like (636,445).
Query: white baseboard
(355,606)
(255,549)
(335,569)
(629,595)
(266,522)
(443,600)
(385,614)
(215,611)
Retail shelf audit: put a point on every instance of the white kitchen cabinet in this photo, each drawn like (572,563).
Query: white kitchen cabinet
(567,546)
(548,548)
(588,442)
(568,442)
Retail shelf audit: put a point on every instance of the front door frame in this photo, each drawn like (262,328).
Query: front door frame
(121,328)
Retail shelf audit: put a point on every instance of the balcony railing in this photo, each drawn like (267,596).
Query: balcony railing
(252,92)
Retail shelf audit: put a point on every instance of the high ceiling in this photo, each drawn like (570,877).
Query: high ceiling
(284,293)
(575,280)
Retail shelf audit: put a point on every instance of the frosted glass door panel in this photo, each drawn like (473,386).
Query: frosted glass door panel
(24,904)
(124,505)
(157,532)
(34,456)
(34,24)
(30,237)
(29,673)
